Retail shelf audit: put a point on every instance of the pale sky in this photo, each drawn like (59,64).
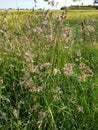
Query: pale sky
(5,4)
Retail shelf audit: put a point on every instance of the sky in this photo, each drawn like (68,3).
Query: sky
(5,4)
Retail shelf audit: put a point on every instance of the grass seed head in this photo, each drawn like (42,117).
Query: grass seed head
(15,113)
(79,53)
(82,78)
(56,71)
(68,69)
(89,72)
(80,109)
(82,66)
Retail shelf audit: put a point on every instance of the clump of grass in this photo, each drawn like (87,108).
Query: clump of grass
(48,77)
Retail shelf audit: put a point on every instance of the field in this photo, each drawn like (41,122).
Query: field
(48,70)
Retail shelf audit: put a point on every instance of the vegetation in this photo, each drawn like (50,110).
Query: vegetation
(48,70)
(77,7)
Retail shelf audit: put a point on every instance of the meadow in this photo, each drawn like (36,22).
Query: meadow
(48,70)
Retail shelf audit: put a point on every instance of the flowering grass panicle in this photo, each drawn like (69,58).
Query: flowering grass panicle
(68,69)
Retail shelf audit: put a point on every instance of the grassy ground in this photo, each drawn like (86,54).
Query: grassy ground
(48,70)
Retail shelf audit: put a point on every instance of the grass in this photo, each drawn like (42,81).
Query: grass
(48,70)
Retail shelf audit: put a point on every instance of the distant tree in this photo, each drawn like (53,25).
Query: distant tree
(63,8)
